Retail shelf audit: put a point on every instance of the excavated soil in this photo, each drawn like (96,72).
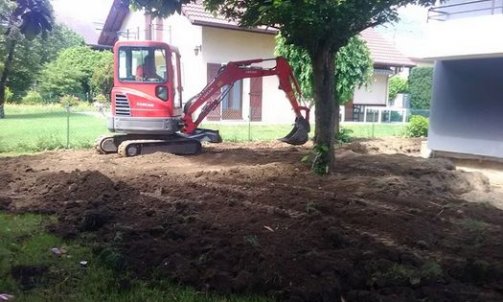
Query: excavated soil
(252,218)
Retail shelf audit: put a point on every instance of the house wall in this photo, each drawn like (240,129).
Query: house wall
(179,32)
(133,27)
(467,107)
(375,93)
(223,45)
(476,34)
(458,9)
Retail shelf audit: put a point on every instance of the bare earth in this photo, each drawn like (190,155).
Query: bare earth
(253,218)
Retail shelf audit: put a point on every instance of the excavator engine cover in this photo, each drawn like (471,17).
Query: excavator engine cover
(299,134)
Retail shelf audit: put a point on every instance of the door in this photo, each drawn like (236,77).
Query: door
(256,99)
(212,70)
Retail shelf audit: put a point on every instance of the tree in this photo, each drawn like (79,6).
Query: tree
(27,18)
(31,55)
(353,63)
(420,81)
(72,70)
(397,85)
(102,79)
(319,27)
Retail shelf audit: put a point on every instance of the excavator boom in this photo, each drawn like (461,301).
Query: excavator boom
(235,71)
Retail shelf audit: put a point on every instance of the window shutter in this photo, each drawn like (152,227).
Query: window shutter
(212,72)
(256,99)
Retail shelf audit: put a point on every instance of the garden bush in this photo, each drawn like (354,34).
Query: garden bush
(69,100)
(32,98)
(9,95)
(420,83)
(418,126)
(343,136)
(397,85)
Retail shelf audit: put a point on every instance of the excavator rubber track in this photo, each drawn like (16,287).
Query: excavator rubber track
(136,144)
(179,146)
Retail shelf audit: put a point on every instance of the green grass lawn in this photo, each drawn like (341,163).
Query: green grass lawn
(28,129)
(25,244)
(255,132)
(37,128)
(375,130)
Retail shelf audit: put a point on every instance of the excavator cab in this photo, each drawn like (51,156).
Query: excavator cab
(147,93)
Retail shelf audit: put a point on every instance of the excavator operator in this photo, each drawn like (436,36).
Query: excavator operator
(146,72)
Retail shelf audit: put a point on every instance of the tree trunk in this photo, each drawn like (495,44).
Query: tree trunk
(11,45)
(326,110)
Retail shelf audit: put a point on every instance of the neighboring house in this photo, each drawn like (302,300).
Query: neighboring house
(387,62)
(467,98)
(206,41)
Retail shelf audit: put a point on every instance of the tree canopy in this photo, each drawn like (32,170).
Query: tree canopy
(31,55)
(21,18)
(72,71)
(354,67)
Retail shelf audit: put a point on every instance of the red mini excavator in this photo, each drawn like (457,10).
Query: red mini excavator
(146,101)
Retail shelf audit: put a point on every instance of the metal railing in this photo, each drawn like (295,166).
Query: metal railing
(466,9)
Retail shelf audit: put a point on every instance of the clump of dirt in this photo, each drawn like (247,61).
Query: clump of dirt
(253,218)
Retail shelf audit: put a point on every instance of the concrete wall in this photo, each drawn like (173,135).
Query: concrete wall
(467,107)
(466,35)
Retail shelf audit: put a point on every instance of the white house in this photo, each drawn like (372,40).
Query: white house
(206,41)
(467,99)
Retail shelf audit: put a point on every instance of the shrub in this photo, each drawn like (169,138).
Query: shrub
(9,95)
(418,126)
(420,81)
(100,98)
(69,100)
(344,135)
(32,98)
(397,85)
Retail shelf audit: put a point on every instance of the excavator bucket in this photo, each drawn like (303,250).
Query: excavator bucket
(206,135)
(299,133)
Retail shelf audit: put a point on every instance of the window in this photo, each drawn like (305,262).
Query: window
(142,64)
(232,102)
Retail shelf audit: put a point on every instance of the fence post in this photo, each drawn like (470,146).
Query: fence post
(249,127)
(67,107)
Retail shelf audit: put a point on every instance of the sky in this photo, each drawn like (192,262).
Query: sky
(410,33)
(89,10)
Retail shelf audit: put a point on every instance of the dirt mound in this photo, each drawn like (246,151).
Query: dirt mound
(254,219)
(389,145)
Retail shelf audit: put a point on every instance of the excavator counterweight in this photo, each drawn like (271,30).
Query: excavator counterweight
(147,112)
